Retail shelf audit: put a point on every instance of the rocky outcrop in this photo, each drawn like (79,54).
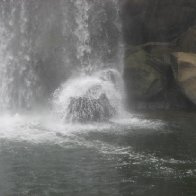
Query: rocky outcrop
(155,30)
(87,109)
(156,20)
(185,74)
(187,42)
(143,76)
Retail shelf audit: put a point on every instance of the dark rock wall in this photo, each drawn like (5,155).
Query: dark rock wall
(154,31)
(157,20)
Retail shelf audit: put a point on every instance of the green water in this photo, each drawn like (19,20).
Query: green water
(154,156)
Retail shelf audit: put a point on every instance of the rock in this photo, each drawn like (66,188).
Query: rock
(144,77)
(157,20)
(185,73)
(165,22)
(87,109)
(188,40)
(133,21)
(153,31)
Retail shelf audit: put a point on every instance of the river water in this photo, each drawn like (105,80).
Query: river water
(142,155)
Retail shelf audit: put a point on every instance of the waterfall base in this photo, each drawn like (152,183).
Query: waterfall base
(92,97)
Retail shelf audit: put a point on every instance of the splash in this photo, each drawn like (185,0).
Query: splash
(92,97)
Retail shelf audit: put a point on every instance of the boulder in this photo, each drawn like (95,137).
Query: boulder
(88,109)
(144,75)
(153,31)
(185,73)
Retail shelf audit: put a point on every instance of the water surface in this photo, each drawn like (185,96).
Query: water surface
(143,155)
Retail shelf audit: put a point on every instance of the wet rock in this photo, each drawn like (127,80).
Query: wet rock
(144,77)
(185,74)
(88,109)
(153,31)
(188,40)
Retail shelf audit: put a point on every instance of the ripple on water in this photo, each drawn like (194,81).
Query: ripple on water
(41,132)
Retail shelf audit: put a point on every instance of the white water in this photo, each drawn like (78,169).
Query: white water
(91,86)
(57,54)
(42,47)
(39,130)
(17,79)
(82,33)
(45,128)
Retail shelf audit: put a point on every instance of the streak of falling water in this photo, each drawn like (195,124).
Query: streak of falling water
(17,78)
(82,32)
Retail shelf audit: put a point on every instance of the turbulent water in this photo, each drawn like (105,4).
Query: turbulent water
(45,42)
(55,52)
(141,155)
(90,88)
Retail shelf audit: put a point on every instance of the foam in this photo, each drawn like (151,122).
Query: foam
(41,128)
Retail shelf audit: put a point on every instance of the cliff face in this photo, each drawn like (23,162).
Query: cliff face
(160,65)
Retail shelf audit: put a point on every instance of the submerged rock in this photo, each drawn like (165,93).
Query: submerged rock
(88,109)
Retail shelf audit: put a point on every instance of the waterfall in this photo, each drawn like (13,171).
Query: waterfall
(17,78)
(46,45)
(95,91)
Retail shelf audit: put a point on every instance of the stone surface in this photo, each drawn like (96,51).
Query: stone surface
(153,31)
(143,78)
(157,20)
(185,74)
(188,40)
(87,109)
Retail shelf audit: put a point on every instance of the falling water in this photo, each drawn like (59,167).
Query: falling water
(99,65)
(17,78)
(82,32)
(46,44)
